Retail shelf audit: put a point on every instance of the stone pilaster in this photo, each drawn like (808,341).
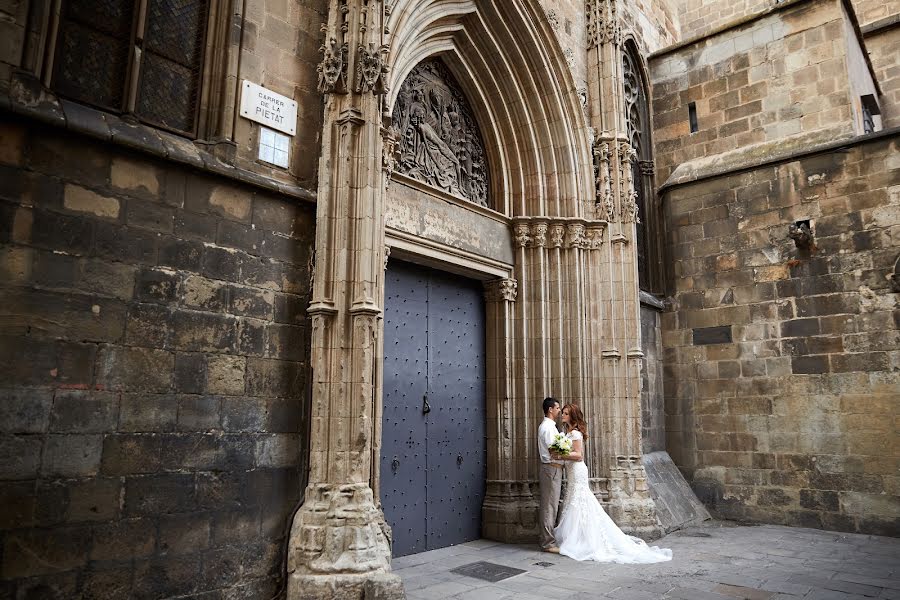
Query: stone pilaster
(615,399)
(340,543)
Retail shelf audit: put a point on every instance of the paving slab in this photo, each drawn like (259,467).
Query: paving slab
(712,561)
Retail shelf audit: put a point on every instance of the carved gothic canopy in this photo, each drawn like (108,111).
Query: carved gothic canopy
(439,140)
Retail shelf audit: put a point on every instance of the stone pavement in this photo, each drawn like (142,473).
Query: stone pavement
(715,561)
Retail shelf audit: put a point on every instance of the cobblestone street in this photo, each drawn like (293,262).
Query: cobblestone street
(718,561)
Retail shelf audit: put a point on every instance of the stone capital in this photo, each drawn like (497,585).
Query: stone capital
(501,290)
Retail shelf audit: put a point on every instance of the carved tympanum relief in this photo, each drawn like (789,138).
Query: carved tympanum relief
(439,140)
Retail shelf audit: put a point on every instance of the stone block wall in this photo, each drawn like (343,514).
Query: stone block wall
(653,426)
(781,365)
(883,47)
(699,17)
(153,361)
(781,76)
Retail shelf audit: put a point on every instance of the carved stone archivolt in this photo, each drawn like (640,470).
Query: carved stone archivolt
(439,139)
(563,234)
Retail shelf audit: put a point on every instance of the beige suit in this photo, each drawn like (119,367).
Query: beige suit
(550,480)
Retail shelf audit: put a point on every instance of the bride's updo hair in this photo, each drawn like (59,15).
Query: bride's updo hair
(576,420)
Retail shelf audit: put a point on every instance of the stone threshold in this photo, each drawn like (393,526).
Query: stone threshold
(29,99)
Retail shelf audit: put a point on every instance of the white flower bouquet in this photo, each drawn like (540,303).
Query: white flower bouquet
(561,445)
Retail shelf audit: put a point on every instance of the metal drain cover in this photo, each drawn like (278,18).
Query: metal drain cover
(487,571)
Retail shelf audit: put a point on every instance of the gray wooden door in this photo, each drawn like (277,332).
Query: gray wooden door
(433,425)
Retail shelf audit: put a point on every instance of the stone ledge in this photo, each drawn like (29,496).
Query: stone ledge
(768,153)
(880,26)
(28,98)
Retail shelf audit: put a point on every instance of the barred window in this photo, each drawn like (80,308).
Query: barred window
(139,57)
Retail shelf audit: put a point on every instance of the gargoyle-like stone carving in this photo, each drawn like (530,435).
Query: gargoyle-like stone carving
(333,68)
(440,143)
(370,69)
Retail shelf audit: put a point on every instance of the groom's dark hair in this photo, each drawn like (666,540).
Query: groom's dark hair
(548,404)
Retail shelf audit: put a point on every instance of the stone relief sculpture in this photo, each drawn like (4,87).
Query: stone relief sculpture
(439,140)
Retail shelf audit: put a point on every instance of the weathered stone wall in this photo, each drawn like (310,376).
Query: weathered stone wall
(280,41)
(781,76)
(782,385)
(653,425)
(153,362)
(699,17)
(884,52)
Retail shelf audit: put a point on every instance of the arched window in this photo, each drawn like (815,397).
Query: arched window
(637,114)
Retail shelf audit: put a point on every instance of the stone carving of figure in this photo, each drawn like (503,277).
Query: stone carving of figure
(434,161)
(440,142)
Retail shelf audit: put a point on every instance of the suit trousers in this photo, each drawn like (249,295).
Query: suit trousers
(550,480)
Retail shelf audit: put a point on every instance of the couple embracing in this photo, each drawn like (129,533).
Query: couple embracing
(585,531)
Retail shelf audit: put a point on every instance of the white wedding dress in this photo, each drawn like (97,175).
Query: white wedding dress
(585,531)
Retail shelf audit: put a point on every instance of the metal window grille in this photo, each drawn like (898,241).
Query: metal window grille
(142,57)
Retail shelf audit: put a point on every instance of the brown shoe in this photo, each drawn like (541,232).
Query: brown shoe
(552,550)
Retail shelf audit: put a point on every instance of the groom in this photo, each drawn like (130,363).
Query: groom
(550,477)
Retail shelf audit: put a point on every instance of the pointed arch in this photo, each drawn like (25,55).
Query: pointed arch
(637,120)
(512,70)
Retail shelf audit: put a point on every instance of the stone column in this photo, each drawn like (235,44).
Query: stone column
(340,543)
(618,409)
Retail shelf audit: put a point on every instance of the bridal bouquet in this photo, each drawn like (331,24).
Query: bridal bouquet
(561,445)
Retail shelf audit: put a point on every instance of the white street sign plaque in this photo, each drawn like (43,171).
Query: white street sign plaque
(266,107)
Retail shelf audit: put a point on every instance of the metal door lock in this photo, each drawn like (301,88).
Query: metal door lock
(459,459)
(395,464)
(426,408)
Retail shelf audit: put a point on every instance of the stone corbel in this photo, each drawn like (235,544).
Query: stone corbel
(501,290)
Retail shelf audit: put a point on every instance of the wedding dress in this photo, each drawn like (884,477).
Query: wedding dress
(585,531)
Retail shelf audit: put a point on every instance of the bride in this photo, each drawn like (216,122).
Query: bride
(585,531)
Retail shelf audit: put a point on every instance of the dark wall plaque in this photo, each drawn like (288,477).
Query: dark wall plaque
(712,335)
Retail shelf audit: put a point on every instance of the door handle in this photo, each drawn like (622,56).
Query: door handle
(395,464)
(426,408)
(459,460)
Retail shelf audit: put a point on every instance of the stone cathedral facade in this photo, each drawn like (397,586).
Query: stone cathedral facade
(284,283)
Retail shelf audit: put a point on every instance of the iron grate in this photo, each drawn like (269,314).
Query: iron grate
(487,571)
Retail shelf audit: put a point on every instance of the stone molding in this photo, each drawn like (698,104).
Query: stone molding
(542,232)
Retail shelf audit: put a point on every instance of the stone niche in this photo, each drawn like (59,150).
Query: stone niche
(439,139)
